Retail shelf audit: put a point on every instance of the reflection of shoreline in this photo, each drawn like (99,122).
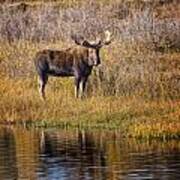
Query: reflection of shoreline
(98,154)
(7,154)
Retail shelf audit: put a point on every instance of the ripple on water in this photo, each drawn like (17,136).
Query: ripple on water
(61,154)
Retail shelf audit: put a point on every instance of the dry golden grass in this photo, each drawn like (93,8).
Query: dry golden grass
(132,109)
(20,104)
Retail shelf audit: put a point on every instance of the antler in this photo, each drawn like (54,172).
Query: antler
(98,44)
(79,40)
(107,40)
(108,37)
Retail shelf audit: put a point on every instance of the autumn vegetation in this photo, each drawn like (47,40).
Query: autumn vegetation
(136,88)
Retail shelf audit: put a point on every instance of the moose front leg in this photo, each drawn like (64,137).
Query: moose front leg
(83,86)
(77,85)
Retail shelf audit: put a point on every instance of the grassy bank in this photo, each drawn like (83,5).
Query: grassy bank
(20,104)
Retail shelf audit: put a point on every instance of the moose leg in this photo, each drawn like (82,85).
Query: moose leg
(42,83)
(77,85)
(83,86)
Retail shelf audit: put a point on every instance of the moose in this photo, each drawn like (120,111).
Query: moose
(76,61)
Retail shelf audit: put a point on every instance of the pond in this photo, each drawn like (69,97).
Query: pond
(56,154)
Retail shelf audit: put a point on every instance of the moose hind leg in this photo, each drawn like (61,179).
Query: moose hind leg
(42,83)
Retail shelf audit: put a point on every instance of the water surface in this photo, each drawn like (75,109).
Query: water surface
(56,154)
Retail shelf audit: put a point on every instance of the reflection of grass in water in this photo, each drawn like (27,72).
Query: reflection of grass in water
(120,154)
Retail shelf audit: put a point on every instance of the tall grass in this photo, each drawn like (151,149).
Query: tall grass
(134,117)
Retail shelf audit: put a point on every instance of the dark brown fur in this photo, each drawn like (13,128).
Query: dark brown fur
(71,62)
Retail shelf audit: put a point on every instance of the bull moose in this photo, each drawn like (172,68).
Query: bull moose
(76,61)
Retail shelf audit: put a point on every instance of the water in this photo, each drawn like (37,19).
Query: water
(79,155)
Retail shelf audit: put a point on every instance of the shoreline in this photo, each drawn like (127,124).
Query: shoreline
(132,116)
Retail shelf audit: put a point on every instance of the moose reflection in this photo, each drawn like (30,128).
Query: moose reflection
(76,61)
